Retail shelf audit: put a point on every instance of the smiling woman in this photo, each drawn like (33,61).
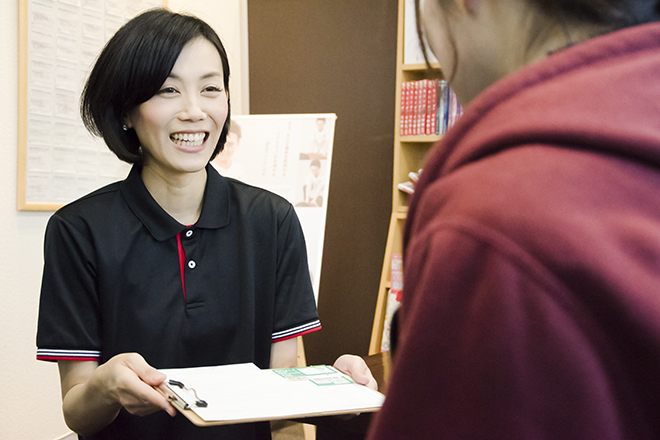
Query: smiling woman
(176,266)
(179,128)
(133,68)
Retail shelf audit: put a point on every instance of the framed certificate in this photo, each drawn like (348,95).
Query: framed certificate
(59,40)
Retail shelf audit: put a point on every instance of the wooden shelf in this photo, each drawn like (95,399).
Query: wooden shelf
(409,154)
(420,139)
(419,67)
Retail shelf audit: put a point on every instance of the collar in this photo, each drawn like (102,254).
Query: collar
(215,210)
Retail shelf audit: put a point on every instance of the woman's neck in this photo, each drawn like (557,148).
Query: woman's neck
(181,195)
(499,38)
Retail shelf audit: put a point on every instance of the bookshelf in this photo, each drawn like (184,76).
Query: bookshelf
(409,153)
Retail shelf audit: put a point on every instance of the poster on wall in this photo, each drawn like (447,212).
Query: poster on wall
(289,155)
(58,160)
(412,51)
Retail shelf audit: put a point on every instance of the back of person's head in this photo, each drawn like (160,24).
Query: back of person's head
(602,16)
(546,16)
(131,69)
(614,13)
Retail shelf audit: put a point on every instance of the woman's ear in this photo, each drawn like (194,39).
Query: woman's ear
(126,122)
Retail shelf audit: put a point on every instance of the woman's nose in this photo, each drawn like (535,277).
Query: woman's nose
(192,110)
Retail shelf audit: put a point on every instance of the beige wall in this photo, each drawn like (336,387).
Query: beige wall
(30,389)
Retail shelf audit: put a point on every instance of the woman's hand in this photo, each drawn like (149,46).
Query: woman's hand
(129,381)
(356,367)
(92,395)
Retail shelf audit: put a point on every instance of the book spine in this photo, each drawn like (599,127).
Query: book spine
(421,107)
(427,114)
(402,108)
(415,122)
(443,88)
(418,97)
(396,279)
(453,109)
(409,95)
(432,107)
(427,93)
(418,94)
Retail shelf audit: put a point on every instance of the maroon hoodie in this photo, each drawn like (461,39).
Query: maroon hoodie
(531,302)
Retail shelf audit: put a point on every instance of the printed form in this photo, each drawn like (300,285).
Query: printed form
(244,393)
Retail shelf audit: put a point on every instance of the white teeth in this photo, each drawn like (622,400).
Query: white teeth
(188,138)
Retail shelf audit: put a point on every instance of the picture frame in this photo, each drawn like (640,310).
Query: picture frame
(58,42)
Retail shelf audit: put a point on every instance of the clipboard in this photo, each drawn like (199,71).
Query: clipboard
(243,393)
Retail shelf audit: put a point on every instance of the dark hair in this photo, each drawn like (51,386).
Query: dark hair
(315,163)
(612,14)
(130,70)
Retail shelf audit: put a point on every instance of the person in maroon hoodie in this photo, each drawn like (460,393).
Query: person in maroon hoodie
(531,301)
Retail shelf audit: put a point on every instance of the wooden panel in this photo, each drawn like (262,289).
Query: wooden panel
(337,56)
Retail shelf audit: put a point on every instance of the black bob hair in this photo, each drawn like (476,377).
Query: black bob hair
(132,67)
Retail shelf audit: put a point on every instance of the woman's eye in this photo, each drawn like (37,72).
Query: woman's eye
(166,90)
(213,89)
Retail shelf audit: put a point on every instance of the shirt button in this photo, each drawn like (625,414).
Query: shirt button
(189,233)
(192,264)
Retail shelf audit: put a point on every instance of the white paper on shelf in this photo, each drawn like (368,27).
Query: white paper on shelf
(412,50)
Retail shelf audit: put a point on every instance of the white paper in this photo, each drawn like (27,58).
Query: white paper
(244,392)
(412,50)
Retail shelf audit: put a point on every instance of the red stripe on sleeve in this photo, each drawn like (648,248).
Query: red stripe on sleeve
(65,358)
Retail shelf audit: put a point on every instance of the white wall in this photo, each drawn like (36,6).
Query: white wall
(30,389)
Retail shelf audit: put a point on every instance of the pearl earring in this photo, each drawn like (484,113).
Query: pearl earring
(124,127)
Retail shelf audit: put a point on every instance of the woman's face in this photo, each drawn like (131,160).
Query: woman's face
(180,125)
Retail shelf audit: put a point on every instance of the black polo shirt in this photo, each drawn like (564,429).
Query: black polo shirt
(113,282)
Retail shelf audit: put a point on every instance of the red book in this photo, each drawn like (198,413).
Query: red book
(402,114)
(409,94)
(396,279)
(431,107)
(415,108)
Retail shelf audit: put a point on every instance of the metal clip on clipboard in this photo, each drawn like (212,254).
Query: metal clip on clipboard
(179,400)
